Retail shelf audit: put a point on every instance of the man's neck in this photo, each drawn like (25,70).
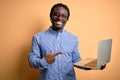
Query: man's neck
(57,29)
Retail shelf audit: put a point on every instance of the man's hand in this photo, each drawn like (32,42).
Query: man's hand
(50,57)
(103,66)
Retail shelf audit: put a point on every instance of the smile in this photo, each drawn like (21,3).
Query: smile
(58,22)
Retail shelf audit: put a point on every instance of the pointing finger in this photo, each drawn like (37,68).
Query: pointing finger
(57,53)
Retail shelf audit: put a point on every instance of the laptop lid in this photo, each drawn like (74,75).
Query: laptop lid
(104,52)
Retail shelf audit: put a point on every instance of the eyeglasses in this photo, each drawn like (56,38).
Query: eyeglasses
(60,15)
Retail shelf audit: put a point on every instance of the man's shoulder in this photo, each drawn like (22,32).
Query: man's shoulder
(41,33)
(70,34)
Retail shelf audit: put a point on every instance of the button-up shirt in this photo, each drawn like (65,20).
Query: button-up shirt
(50,41)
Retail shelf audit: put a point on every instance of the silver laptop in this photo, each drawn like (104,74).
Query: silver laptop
(103,56)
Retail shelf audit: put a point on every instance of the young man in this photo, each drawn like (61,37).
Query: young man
(55,50)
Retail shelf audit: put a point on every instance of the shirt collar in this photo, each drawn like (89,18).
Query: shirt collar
(54,32)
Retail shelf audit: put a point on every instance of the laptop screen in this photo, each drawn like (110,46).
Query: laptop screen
(104,52)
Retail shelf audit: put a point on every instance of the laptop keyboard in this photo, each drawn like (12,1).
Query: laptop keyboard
(91,64)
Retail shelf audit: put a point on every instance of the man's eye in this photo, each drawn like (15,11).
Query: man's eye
(60,15)
(64,16)
(55,14)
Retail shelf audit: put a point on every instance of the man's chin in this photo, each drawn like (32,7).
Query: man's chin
(56,28)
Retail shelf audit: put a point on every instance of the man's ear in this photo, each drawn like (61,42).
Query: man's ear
(51,19)
(67,19)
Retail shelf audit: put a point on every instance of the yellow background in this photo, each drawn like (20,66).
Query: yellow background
(90,20)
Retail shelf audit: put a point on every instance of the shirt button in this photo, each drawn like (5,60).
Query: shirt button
(58,46)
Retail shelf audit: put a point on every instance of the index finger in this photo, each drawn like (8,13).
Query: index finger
(57,53)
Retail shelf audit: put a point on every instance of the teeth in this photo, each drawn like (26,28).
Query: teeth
(59,23)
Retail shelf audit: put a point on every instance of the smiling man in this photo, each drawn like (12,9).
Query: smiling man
(55,50)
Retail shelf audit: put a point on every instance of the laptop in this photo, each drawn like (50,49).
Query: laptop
(103,56)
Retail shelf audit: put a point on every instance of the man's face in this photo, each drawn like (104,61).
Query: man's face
(59,17)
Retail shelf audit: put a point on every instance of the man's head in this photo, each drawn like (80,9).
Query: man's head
(59,15)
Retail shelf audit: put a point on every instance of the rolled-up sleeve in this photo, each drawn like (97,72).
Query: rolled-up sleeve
(35,59)
(76,56)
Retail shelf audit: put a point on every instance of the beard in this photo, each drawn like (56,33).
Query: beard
(56,28)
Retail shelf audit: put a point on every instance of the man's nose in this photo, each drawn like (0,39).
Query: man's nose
(59,17)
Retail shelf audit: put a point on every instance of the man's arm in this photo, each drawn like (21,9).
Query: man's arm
(75,53)
(35,59)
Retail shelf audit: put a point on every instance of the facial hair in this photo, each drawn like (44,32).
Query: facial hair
(56,28)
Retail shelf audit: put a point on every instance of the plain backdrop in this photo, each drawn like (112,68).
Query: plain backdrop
(90,20)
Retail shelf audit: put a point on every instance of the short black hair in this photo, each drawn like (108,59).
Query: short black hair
(59,5)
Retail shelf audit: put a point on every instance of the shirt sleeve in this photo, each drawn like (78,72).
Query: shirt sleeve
(75,54)
(35,59)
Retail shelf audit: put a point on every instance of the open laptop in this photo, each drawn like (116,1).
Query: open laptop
(103,56)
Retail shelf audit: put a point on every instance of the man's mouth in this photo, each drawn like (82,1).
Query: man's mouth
(58,22)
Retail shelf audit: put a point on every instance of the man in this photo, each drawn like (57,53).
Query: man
(55,50)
